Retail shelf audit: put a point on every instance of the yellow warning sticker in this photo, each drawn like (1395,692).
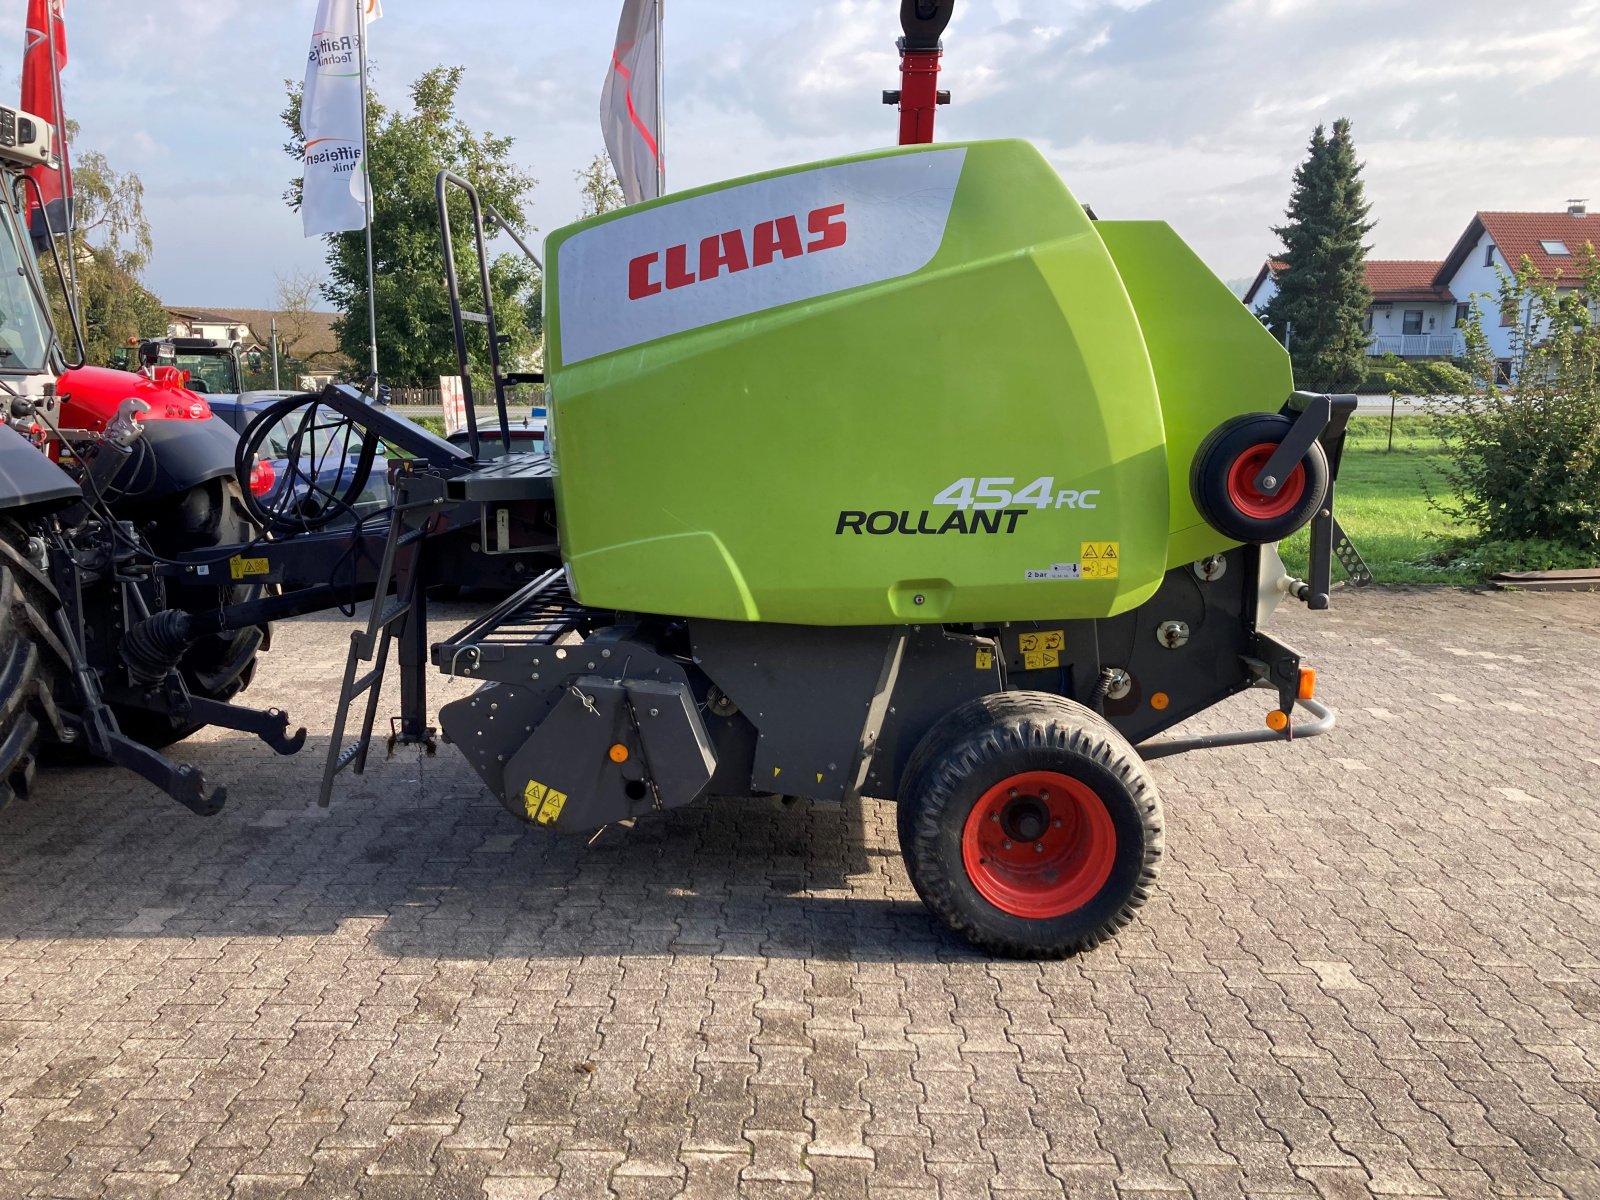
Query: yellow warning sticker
(1101,560)
(1042,649)
(543,804)
(985,659)
(243,568)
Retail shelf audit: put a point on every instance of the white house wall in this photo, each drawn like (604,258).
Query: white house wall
(1479,285)
(1264,295)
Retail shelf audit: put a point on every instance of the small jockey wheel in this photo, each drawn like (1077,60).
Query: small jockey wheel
(1225,477)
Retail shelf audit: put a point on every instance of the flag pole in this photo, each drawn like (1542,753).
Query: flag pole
(369,198)
(65,163)
(661,111)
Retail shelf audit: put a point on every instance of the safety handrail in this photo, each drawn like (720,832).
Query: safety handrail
(459,316)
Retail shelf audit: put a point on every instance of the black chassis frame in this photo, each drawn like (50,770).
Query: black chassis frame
(898,680)
(836,712)
(831,713)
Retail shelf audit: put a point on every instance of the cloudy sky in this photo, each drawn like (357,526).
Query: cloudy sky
(1193,111)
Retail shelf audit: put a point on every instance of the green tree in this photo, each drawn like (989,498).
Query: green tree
(112,246)
(598,184)
(407,151)
(1322,302)
(1525,453)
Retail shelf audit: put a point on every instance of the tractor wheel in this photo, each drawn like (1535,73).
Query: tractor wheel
(217,667)
(28,667)
(1029,825)
(1224,477)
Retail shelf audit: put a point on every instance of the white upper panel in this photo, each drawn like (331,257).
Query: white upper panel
(753,247)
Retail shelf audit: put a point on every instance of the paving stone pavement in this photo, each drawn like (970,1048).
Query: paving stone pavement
(1372,966)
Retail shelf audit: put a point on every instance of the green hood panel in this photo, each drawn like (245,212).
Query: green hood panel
(906,386)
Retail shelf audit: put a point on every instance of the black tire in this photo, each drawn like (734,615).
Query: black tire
(1222,481)
(219,667)
(960,769)
(29,668)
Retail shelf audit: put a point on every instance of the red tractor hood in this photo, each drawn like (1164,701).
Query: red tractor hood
(90,396)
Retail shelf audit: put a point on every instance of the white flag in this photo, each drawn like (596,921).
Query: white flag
(335,191)
(630,115)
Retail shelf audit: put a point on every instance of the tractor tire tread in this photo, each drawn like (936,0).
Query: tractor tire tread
(27,709)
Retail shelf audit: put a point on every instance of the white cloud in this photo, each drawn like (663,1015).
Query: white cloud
(1194,111)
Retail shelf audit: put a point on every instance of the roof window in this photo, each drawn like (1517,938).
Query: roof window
(1554,247)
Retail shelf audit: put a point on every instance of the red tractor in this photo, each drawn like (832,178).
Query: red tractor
(114,469)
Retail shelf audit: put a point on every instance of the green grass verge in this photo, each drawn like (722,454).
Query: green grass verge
(1383,505)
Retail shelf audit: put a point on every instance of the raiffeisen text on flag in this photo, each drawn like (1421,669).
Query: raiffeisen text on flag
(335,187)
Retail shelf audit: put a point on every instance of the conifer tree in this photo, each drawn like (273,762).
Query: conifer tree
(1322,301)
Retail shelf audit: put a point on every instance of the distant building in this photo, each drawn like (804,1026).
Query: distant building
(307,337)
(1419,306)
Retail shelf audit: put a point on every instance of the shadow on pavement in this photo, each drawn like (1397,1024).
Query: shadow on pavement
(416,859)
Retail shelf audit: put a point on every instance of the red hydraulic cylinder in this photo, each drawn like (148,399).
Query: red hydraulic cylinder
(919,95)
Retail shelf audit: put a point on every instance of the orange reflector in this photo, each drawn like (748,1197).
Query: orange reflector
(1277,720)
(1159,701)
(1308,683)
(618,753)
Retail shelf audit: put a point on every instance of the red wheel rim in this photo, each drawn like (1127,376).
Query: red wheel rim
(1250,500)
(1039,844)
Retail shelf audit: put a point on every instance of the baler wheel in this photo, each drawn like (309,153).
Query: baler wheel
(1224,478)
(1029,825)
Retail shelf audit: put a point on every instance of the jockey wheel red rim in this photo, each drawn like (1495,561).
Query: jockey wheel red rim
(1250,500)
(1039,844)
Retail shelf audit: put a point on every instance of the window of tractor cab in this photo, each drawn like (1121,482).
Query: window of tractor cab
(1413,321)
(210,372)
(23,337)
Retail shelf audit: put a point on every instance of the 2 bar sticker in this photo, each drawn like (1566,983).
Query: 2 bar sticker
(1097,560)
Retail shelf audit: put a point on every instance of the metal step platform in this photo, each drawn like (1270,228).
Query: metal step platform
(514,477)
(541,614)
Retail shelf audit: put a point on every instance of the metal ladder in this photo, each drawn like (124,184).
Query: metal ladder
(388,610)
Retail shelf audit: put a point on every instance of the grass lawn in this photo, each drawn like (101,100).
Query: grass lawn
(1383,505)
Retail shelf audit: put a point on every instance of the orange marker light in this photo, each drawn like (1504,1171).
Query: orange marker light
(1277,720)
(618,753)
(1308,683)
(1159,701)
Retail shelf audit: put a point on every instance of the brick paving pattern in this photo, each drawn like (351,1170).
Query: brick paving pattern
(1372,966)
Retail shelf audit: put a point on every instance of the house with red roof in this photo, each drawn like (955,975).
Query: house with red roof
(1419,305)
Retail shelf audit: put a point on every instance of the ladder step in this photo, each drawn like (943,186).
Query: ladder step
(392,612)
(346,756)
